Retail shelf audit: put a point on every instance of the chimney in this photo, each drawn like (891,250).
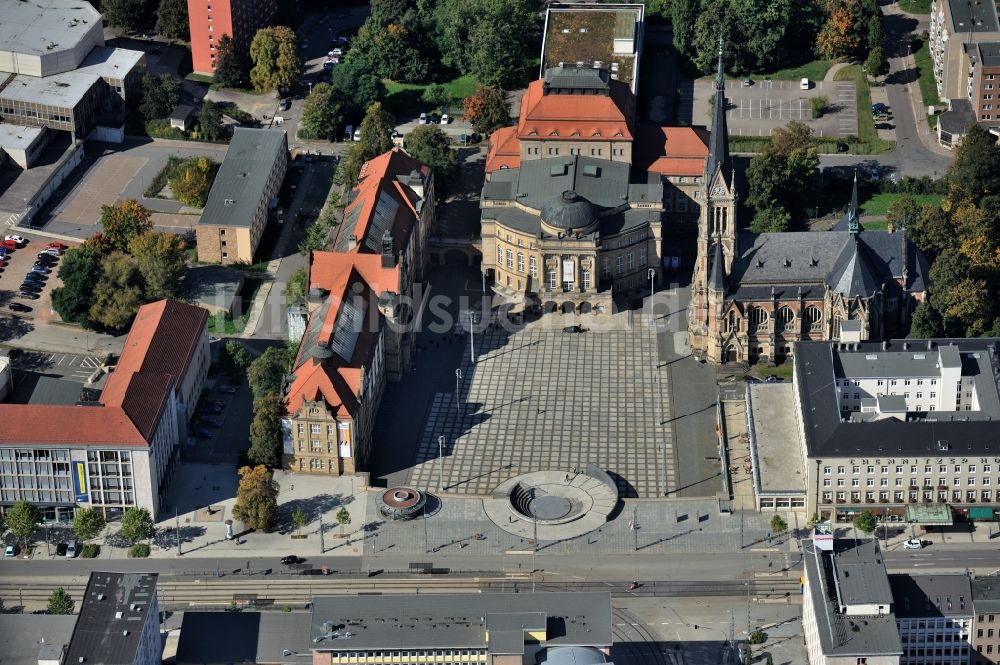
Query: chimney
(352,243)
(388,250)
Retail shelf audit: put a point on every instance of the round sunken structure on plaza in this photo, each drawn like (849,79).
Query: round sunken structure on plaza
(401,503)
(553,505)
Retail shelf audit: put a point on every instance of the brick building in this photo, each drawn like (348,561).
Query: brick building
(210,19)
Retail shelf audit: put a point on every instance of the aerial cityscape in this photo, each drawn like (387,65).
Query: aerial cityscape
(499,332)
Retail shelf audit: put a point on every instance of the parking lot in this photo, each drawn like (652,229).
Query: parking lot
(760,108)
(64,365)
(19,263)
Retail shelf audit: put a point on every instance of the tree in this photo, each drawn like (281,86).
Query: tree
(847,29)
(778,524)
(498,50)
(392,52)
(926,322)
(903,213)
(322,113)
(769,660)
(299,518)
(376,131)
(124,14)
(436,95)
(813,520)
(782,178)
(265,431)
(60,602)
(297,287)
(267,372)
(683,15)
(172,19)
(122,222)
(318,234)
(117,295)
(343,517)
(88,523)
(487,110)
(79,270)
(771,219)
(137,524)
(975,167)
(430,145)
(865,522)
(356,86)
(256,497)
(22,520)
(191,180)
(932,231)
(160,96)
(349,166)
(160,259)
(233,359)
(210,121)
(231,66)
(970,302)
(877,64)
(276,63)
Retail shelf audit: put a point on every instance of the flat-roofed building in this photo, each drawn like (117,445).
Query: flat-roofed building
(22,144)
(236,211)
(776,462)
(48,36)
(986,628)
(847,615)
(119,622)
(934,616)
(35,639)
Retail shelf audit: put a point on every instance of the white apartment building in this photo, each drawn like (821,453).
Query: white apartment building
(934,615)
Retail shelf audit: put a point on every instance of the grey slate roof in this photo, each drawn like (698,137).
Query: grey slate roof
(462,620)
(986,594)
(827,435)
(571,77)
(989,53)
(850,635)
(240,182)
(959,117)
(972,17)
(818,258)
(931,595)
(99,637)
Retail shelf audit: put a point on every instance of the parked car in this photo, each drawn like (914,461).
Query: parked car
(18,239)
(913,544)
(41,270)
(11,550)
(229,390)
(884,125)
(337,51)
(423,119)
(61,549)
(357,134)
(804,84)
(9,244)
(56,245)
(37,276)
(747,82)
(842,147)
(30,286)
(291,559)
(573,329)
(348,132)
(25,293)
(71,551)
(41,263)
(52,252)
(18,307)
(445,119)
(285,104)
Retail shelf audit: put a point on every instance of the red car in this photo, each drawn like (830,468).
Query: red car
(56,245)
(9,244)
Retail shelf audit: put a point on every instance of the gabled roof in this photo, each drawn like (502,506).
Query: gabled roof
(382,201)
(504,150)
(241,180)
(68,425)
(671,151)
(594,117)
(852,274)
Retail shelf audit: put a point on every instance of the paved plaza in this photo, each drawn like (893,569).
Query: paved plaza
(541,399)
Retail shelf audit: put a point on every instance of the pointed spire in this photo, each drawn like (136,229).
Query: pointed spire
(718,148)
(717,278)
(853,222)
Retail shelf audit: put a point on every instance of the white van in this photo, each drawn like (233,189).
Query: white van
(804,84)
(348,132)
(357,134)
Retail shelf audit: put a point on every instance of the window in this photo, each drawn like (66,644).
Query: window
(499,255)
(899,469)
(520,262)
(826,470)
(870,469)
(533,267)
(586,280)
(314,428)
(619,265)
(606,268)
(552,279)
(826,482)
(631,261)
(642,255)
(841,470)
(510,259)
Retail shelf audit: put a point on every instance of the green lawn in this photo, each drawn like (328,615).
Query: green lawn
(915,6)
(784,370)
(879,204)
(200,78)
(868,140)
(815,71)
(404,98)
(928,86)
(219,323)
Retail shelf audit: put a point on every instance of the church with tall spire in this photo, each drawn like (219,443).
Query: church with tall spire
(754,294)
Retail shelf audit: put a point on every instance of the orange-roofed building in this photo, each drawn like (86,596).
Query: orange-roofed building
(121,450)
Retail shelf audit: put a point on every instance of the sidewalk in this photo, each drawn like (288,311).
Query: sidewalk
(64,338)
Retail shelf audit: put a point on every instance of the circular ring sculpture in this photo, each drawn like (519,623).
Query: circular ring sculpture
(553,505)
(401,503)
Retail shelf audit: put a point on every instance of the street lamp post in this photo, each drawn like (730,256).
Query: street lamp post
(472,339)
(441,463)
(458,396)
(652,290)
(484,282)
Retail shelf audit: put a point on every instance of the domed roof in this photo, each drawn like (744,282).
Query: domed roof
(569,211)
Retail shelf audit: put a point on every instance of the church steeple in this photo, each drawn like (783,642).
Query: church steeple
(718,149)
(853,212)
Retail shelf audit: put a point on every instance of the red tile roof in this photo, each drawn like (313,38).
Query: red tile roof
(380,175)
(330,271)
(671,150)
(576,117)
(157,352)
(504,150)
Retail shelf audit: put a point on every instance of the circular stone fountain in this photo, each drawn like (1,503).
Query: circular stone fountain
(401,503)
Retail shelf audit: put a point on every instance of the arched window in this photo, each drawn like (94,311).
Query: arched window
(733,322)
(784,318)
(814,318)
(757,319)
